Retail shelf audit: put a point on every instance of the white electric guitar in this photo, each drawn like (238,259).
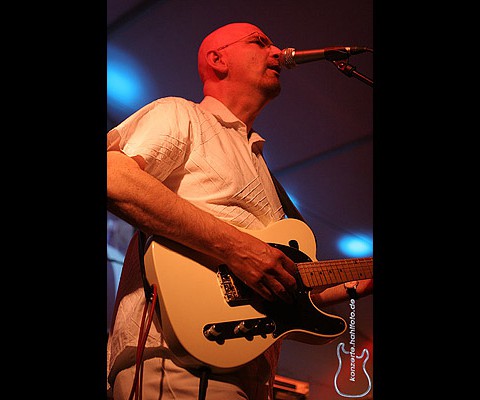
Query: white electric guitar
(210,318)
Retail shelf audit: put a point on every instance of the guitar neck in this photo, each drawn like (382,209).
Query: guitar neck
(320,273)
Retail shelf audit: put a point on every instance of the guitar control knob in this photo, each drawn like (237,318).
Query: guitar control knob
(212,333)
(244,327)
(269,327)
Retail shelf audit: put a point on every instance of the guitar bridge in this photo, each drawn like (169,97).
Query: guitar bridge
(235,292)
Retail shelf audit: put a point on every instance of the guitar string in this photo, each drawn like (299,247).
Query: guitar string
(335,273)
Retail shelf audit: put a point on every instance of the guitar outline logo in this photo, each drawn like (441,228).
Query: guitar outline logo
(365,351)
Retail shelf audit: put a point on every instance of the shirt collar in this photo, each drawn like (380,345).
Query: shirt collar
(227,118)
(220,110)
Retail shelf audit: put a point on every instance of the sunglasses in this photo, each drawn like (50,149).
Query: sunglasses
(262,41)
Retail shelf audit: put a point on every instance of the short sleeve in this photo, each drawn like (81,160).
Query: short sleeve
(159,132)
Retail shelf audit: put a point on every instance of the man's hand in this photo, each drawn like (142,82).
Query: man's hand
(264,268)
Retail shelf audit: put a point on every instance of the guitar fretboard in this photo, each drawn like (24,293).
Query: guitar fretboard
(320,273)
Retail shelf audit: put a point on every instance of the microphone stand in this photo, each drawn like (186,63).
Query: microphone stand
(350,70)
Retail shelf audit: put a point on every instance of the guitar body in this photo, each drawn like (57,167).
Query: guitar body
(209,318)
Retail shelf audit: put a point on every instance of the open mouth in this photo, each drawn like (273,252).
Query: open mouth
(276,68)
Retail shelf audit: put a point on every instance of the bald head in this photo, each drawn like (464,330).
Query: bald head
(218,38)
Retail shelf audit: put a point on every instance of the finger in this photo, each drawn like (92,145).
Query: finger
(287,275)
(365,287)
(279,290)
(265,292)
(289,265)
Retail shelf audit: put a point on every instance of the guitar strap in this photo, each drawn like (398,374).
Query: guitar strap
(142,247)
(288,207)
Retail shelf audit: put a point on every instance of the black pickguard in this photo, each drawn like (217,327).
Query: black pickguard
(301,314)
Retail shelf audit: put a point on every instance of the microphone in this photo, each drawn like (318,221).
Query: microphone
(289,57)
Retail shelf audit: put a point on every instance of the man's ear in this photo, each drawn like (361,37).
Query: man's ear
(217,62)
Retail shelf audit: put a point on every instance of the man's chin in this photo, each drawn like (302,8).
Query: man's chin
(273,90)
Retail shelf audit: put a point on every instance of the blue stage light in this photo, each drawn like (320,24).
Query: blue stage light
(128,84)
(356,245)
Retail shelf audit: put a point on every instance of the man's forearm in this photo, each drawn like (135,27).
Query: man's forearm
(147,204)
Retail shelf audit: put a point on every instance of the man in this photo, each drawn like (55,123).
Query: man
(193,173)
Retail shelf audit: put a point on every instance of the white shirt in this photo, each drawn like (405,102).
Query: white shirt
(204,154)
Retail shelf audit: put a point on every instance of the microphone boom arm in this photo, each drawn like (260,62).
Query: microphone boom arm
(350,70)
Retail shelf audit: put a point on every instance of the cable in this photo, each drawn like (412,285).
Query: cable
(202,388)
(142,340)
(151,297)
